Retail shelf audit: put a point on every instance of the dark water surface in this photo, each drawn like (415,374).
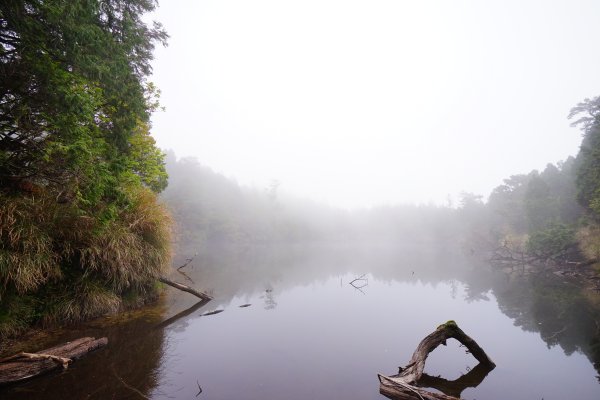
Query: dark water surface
(308,334)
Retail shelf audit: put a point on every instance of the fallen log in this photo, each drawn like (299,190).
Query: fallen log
(405,385)
(23,366)
(185,288)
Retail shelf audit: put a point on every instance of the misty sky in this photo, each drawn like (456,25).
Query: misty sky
(360,103)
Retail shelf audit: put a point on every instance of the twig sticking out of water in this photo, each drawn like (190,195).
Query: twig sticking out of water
(199,388)
(187,262)
(359,283)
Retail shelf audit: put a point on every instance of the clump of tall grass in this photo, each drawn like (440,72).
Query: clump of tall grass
(70,266)
(16,314)
(27,255)
(588,238)
(79,300)
(132,250)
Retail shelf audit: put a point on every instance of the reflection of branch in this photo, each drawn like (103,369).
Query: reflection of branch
(182,314)
(358,288)
(129,386)
(454,388)
(186,276)
(199,388)
(556,333)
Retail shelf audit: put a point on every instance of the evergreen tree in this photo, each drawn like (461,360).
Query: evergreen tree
(74,100)
(81,230)
(588,159)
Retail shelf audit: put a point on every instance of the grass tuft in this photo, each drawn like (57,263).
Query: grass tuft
(57,265)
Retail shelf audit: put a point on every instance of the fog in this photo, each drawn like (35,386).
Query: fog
(356,103)
(343,177)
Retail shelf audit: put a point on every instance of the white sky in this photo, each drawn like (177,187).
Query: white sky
(359,103)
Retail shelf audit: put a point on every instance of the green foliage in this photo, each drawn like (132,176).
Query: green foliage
(74,101)
(146,162)
(525,204)
(588,159)
(80,224)
(552,242)
(540,206)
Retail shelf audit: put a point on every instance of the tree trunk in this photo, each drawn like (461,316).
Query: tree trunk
(23,366)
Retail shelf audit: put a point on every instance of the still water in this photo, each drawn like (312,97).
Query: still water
(297,324)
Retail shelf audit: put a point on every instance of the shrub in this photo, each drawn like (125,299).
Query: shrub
(552,242)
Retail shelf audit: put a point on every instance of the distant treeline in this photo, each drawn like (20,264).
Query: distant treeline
(211,208)
(549,215)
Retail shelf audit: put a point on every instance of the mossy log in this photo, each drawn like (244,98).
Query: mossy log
(23,366)
(403,386)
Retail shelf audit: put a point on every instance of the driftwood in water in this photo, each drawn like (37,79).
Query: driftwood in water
(398,390)
(23,366)
(403,385)
(184,288)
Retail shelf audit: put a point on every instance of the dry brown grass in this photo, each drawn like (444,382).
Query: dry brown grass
(588,238)
(81,300)
(27,256)
(133,250)
(73,267)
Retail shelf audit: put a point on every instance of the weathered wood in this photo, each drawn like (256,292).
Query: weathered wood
(402,386)
(39,356)
(27,365)
(414,369)
(184,288)
(398,390)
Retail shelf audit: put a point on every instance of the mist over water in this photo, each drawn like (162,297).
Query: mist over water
(344,177)
(306,331)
